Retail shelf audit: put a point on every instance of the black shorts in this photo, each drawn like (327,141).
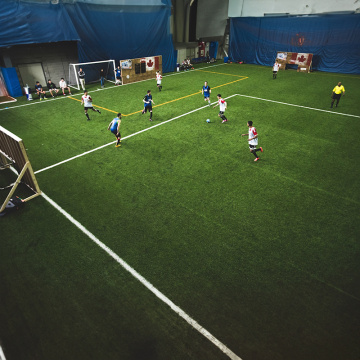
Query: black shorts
(336,96)
(221,113)
(115,132)
(147,108)
(88,107)
(252,147)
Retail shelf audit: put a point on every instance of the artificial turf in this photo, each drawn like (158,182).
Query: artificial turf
(263,255)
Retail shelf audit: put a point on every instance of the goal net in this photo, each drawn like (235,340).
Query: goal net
(92,72)
(13,153)
(4,95)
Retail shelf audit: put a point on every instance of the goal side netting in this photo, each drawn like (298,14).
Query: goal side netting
(13,154)
(4,95)
(92,72)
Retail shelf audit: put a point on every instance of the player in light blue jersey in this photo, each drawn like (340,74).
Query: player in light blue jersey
(206,91)
(114,127)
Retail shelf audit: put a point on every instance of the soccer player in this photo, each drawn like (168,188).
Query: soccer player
(206,91)
(336,94)
(253,140)
(276,68)
(81,74)
(87,101)
(223,105)
(63,86)
(148,103)
(118,76)
(158,80)
(114,127)
(102,78)
(39,90)
(52,88)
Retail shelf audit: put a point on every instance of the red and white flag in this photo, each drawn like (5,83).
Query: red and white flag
(150,63)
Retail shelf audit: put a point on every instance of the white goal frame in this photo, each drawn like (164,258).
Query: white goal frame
(72,67)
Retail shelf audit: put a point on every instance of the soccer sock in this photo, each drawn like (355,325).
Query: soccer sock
(87,115)
(257,150)
(254,152)
(150,114)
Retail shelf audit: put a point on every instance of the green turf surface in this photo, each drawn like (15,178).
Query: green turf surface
(263,255)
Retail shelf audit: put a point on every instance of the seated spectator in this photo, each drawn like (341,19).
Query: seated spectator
(63,86)
(39,90)
(189,64)
(52,88)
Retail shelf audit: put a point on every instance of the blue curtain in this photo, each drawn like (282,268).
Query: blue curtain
(136,28)
(333,39)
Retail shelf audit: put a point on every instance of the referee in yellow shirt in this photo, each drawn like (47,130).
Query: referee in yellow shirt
(336,94)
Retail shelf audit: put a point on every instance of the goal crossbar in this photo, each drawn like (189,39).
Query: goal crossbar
(73,70)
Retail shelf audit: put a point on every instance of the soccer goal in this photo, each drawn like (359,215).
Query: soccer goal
(13,153)
(92,72)
(4,95)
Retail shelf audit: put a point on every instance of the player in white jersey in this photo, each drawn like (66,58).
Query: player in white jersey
(63,86)
(158,80)
(87,101)
(253,140)
(223,105)
(276,68)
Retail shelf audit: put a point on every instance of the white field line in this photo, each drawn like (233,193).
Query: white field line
(107,88)
(2,355)
(300,106)
(146,283)
(125,137)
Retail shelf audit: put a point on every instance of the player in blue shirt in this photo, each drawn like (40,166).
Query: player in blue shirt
(118,76)
(39,90)
(206,91)
(114,127)
(148,102)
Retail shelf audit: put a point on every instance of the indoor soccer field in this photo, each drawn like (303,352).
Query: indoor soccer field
(177,245)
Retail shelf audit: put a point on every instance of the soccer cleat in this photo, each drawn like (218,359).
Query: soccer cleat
(70,93)
(64,94)
(224,121)
(99,112)
(150,119)
(257,159)
(117,145)
(261,149)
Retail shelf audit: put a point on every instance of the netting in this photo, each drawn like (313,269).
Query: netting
(92,72)
(4,95)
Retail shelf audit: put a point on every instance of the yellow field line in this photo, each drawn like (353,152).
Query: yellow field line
(214,72)
(115,112)
(168,102)
(184,97)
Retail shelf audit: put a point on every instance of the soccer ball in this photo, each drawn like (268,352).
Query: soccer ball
(208,120)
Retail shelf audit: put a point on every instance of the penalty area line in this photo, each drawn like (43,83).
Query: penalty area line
(145,282)
(124,138)
(300,106)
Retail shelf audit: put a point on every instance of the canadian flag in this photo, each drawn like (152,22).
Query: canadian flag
(150,63)
(301,59)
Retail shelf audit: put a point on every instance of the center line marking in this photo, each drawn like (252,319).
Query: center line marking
(126,137)
(146,283)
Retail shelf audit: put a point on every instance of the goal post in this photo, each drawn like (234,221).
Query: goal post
(92,72)
(13,153)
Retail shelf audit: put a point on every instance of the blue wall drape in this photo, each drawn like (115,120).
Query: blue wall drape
(333,39)
(131,30)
